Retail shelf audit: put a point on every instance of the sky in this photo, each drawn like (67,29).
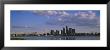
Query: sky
(46,20)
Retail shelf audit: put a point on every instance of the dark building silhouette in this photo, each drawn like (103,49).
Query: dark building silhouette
(70,31)
(57,32)
(61,32)
(48,34)
(73,30)
(52,32)
(66,30)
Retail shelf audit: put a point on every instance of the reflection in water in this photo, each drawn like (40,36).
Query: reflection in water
(58,38)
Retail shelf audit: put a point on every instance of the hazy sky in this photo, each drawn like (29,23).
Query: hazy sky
(45,20)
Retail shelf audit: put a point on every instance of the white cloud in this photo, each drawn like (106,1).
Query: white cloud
(51,12)
(76,14)
(59,12)
(92,15)
(83,15)
(60,19)
(90,12)
(63,16)
(65,13)
(86,15)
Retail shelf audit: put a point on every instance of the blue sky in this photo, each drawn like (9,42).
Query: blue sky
(45,20)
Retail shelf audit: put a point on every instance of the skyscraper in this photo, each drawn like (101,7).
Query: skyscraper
(66,30)
(63,31)
(70,31)
(52,32)
(73,30)
(57,32)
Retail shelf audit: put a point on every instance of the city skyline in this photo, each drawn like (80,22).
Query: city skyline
(65,34)
(46,20)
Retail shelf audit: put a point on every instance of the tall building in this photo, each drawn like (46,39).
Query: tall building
(57,32)
(52,32)
(66,30)
(73,30)
(63,31)
(70,31)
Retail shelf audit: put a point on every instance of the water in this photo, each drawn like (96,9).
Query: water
(61,38)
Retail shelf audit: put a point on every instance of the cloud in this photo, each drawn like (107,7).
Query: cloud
(82,19)
(78,18)
(60,19)
(51,13)
(76,14)
(86,15)
(64,14)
